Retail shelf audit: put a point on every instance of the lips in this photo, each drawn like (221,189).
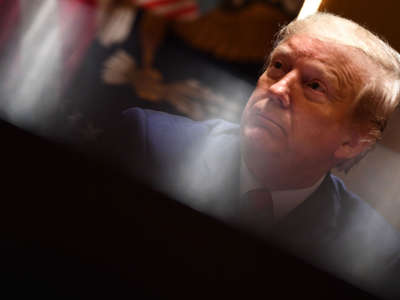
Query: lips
(266,121)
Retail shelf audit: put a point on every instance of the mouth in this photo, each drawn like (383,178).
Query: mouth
(267,122)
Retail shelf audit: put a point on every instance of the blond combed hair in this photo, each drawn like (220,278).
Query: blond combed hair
(379,97)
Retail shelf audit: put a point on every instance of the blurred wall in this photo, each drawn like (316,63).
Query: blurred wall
(379,16)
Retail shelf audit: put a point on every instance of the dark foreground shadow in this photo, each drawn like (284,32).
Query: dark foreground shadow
(74,227)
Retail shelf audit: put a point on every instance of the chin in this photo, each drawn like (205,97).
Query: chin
(259,146)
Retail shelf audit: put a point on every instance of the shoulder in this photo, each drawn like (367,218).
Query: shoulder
(164,121)
(370,244)
(352,207)
(195,162)
(176,132)
(170,141)
(358,214)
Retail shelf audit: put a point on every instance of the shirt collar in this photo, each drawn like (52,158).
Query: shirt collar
(284,200)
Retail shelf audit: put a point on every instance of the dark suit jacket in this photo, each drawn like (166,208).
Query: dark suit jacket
(197,163)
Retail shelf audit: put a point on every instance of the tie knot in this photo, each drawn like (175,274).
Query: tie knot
(256,209)
(259,199)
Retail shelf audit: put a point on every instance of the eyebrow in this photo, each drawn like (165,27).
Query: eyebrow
(267,61)
(283,50)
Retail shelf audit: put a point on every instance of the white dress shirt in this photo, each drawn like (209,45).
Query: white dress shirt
(284,201)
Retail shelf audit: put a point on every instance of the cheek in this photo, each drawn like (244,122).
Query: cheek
(318,117)
(254,97)
(259,92)
(320,130)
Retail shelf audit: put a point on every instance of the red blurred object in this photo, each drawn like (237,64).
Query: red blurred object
(78,29)
(77,26)
(172,9)
(9,20)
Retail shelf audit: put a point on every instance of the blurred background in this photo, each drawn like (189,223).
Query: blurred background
(68,68)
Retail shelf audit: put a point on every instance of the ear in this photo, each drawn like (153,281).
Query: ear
(350,148)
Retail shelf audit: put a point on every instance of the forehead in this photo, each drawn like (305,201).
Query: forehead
(304,46)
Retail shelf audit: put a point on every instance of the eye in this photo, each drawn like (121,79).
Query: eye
(275,69)
(277,65)
(316,86)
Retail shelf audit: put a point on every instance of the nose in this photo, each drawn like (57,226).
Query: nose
(281,90)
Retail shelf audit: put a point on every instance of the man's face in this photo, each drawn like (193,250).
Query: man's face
(300,112)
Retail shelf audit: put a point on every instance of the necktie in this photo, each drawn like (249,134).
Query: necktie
(257,210)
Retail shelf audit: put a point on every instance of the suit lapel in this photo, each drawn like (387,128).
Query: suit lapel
(313,223)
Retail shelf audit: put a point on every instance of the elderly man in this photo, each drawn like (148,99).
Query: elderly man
(325,96)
